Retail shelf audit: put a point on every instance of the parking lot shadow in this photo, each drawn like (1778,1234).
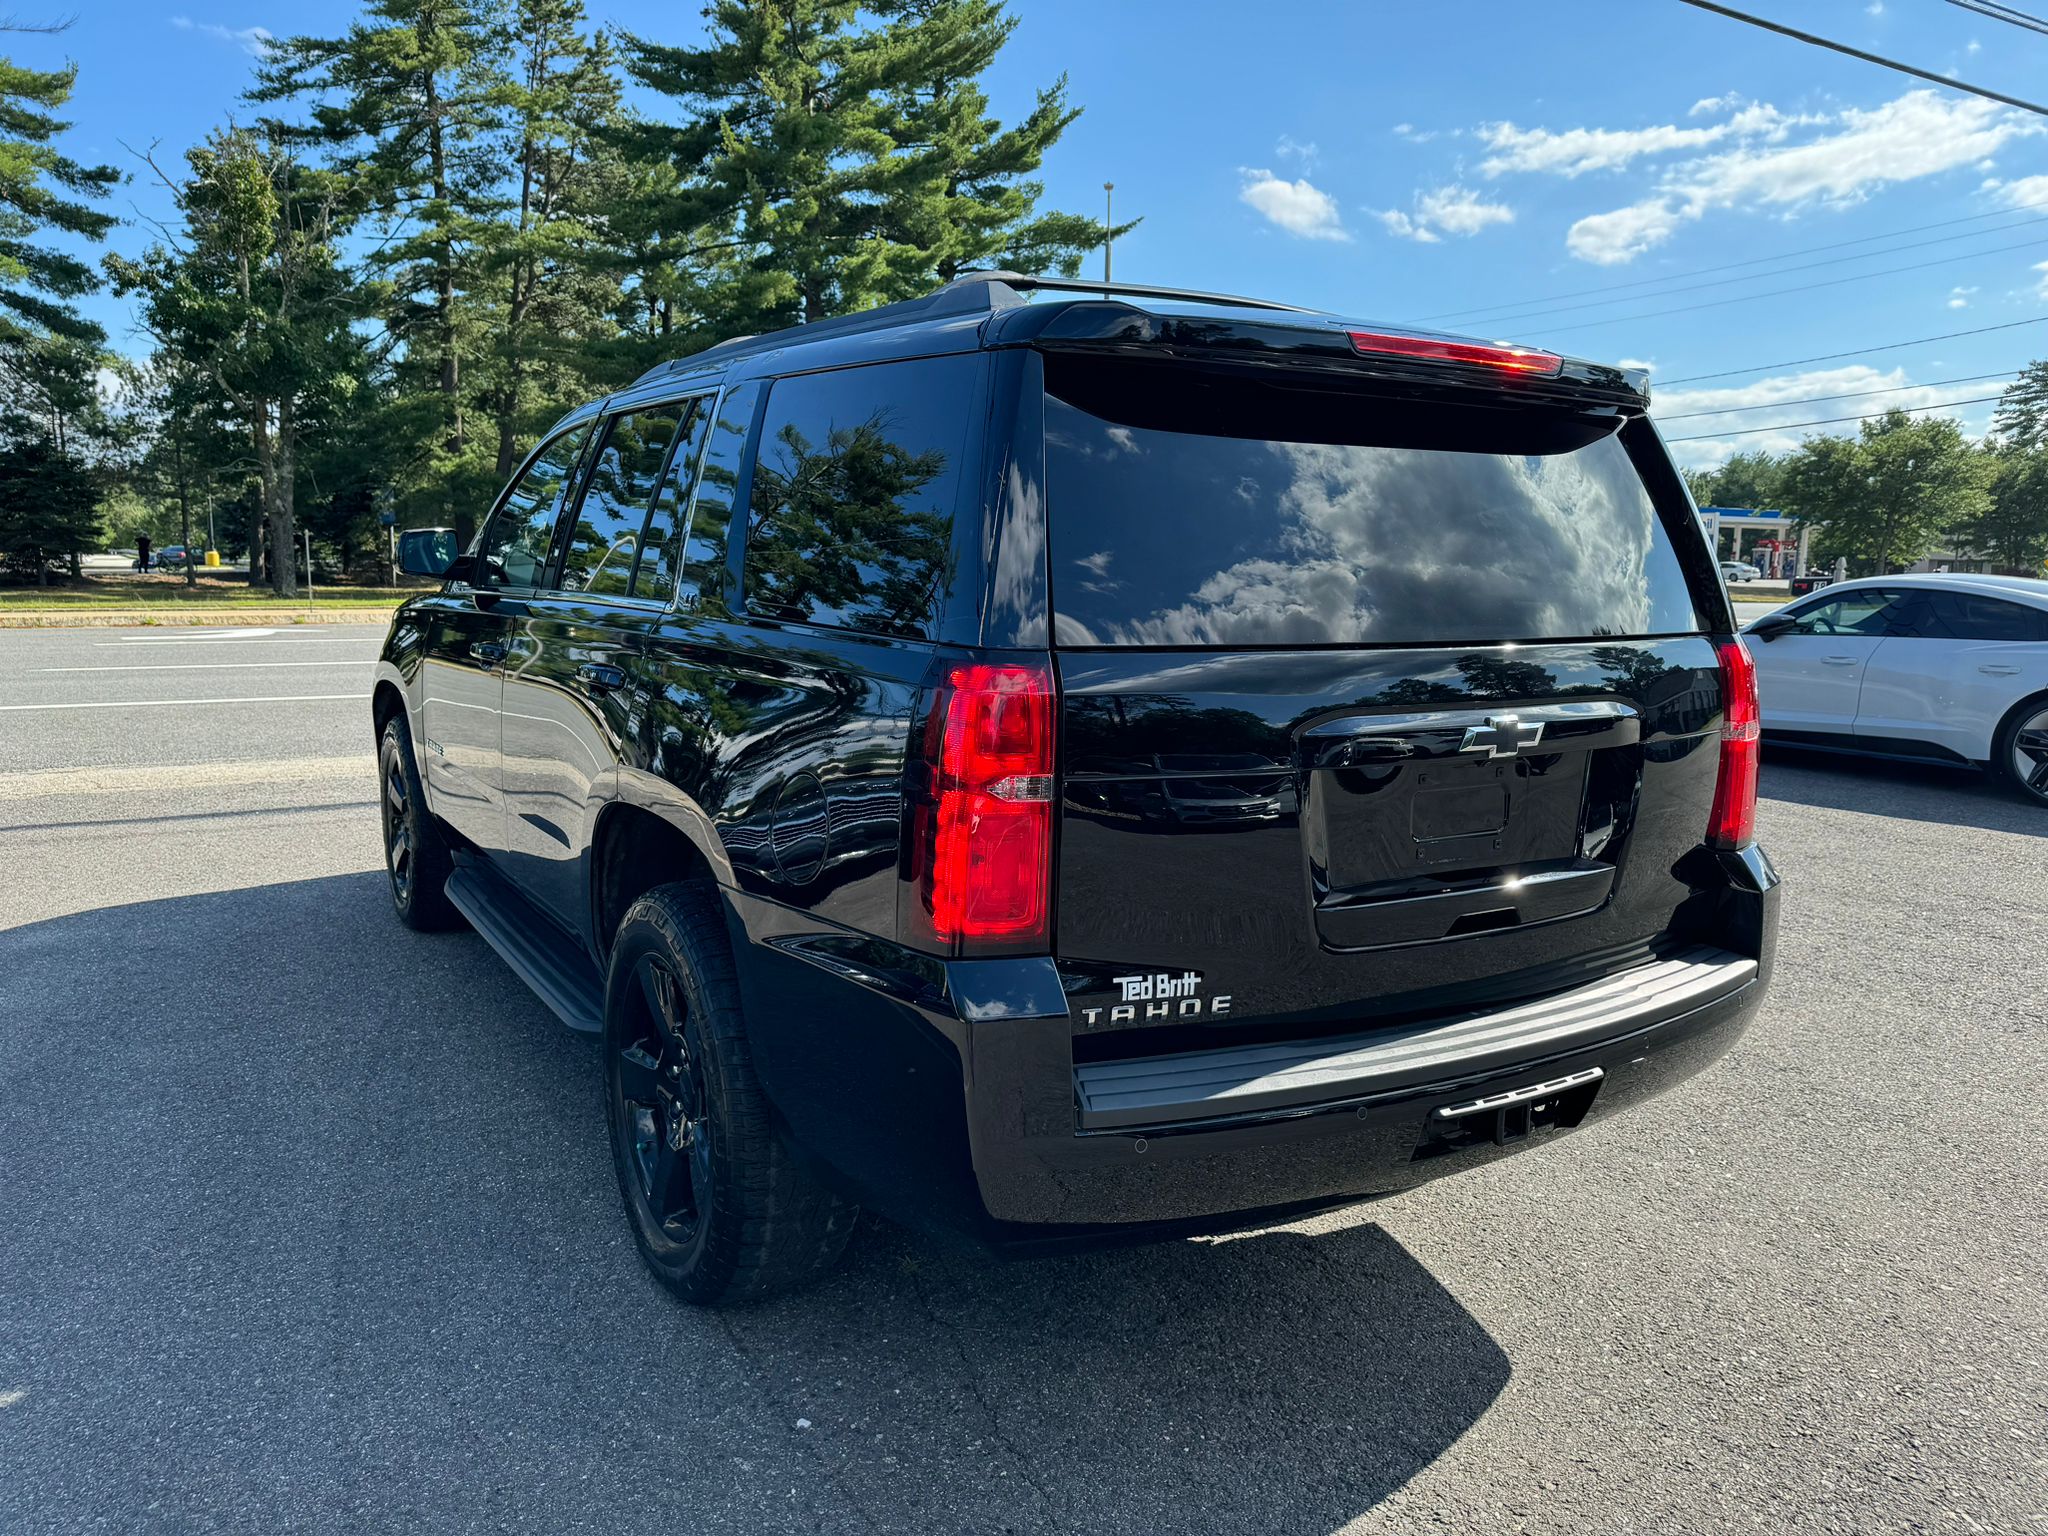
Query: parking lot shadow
(1917,791)
(310,1223)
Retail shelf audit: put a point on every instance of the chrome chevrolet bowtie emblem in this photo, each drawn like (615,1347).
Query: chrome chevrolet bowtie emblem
(1502,735)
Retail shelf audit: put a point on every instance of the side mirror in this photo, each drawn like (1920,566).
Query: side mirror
(1772,625)
(426,551)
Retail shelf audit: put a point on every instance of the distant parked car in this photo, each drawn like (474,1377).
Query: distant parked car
(1740,570)
(1948,669)
(173,558)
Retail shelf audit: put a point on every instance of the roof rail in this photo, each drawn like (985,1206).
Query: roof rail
(1023,281)
(953,299)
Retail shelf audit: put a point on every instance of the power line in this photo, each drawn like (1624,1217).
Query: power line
(1857,394)
(1829,357)
(2003,13)
(1830,421)
(1773,293)
(1754,261)
(1869,58)
(1722,282)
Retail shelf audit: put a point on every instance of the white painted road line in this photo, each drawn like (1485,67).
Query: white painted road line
(280,698)
(268,637)
(211,666)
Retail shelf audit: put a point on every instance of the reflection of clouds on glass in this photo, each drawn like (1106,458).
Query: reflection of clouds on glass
(1383,543)
(1123,437)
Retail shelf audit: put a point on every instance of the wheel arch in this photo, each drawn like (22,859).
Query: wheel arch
(386,699)
(644,833)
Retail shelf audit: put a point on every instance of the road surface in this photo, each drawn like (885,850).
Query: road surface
(310,1221)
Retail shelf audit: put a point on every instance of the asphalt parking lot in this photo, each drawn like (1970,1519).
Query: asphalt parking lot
(309,1221)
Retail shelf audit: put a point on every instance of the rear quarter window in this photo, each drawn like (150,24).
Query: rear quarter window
(1189,513)
(850,519)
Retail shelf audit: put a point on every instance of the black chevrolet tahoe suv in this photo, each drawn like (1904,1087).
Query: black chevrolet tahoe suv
(1053,764)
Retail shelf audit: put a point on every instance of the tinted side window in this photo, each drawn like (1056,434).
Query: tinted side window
(850,521)
(1868,612)
(704,546)
(661,547)
(515,547)
(604,542)
(1967,616)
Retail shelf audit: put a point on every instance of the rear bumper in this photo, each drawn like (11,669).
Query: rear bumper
(956,1103)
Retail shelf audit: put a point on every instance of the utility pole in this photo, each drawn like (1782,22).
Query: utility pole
(1108,225)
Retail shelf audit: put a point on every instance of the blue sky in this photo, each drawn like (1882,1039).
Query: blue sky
(1399,161)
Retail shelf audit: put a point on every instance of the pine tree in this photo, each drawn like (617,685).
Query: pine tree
(48,351)
(407,101)
(48,505)
(543,273)
(785,147)
(961,195)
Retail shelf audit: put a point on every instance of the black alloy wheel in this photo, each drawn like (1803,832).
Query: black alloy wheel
(659,1113)
(724,1208)
(415,855)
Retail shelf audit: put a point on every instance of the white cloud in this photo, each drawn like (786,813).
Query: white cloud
(1398,223)
(1917,135)
(1452,210)
(1413,134)
(1974,47)
(1577,151)
(1291,148)
(1875,8)
(2027,192)
(1775,403)
(1637,362)
(2041,292)
(1959,297)
(255,41)
(1298,207)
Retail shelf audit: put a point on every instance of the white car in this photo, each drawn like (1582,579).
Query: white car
(1740,570)
(1943,668)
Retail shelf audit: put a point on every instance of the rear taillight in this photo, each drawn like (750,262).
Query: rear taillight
(1430,349)
(986,852)
(1733,821)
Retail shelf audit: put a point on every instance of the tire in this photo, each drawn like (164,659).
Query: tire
(415,854)
(2019,752)
(722,1207)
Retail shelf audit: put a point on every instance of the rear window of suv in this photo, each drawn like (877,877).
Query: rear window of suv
(1195,510)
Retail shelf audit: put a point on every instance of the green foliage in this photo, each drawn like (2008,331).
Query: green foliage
(1752,479)
(836,155)
(445,228)
(49,503)
(2012,527)
(1886,497)
(48,351)
(2021,420)
(257,299)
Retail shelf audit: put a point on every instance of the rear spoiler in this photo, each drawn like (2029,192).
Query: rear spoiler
(1321,344)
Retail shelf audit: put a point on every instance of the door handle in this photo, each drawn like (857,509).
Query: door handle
(489,652)
(601,677)
(1998,669)
(1840,661)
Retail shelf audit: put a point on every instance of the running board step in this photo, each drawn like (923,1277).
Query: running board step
(1253,1079)
(542,956)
